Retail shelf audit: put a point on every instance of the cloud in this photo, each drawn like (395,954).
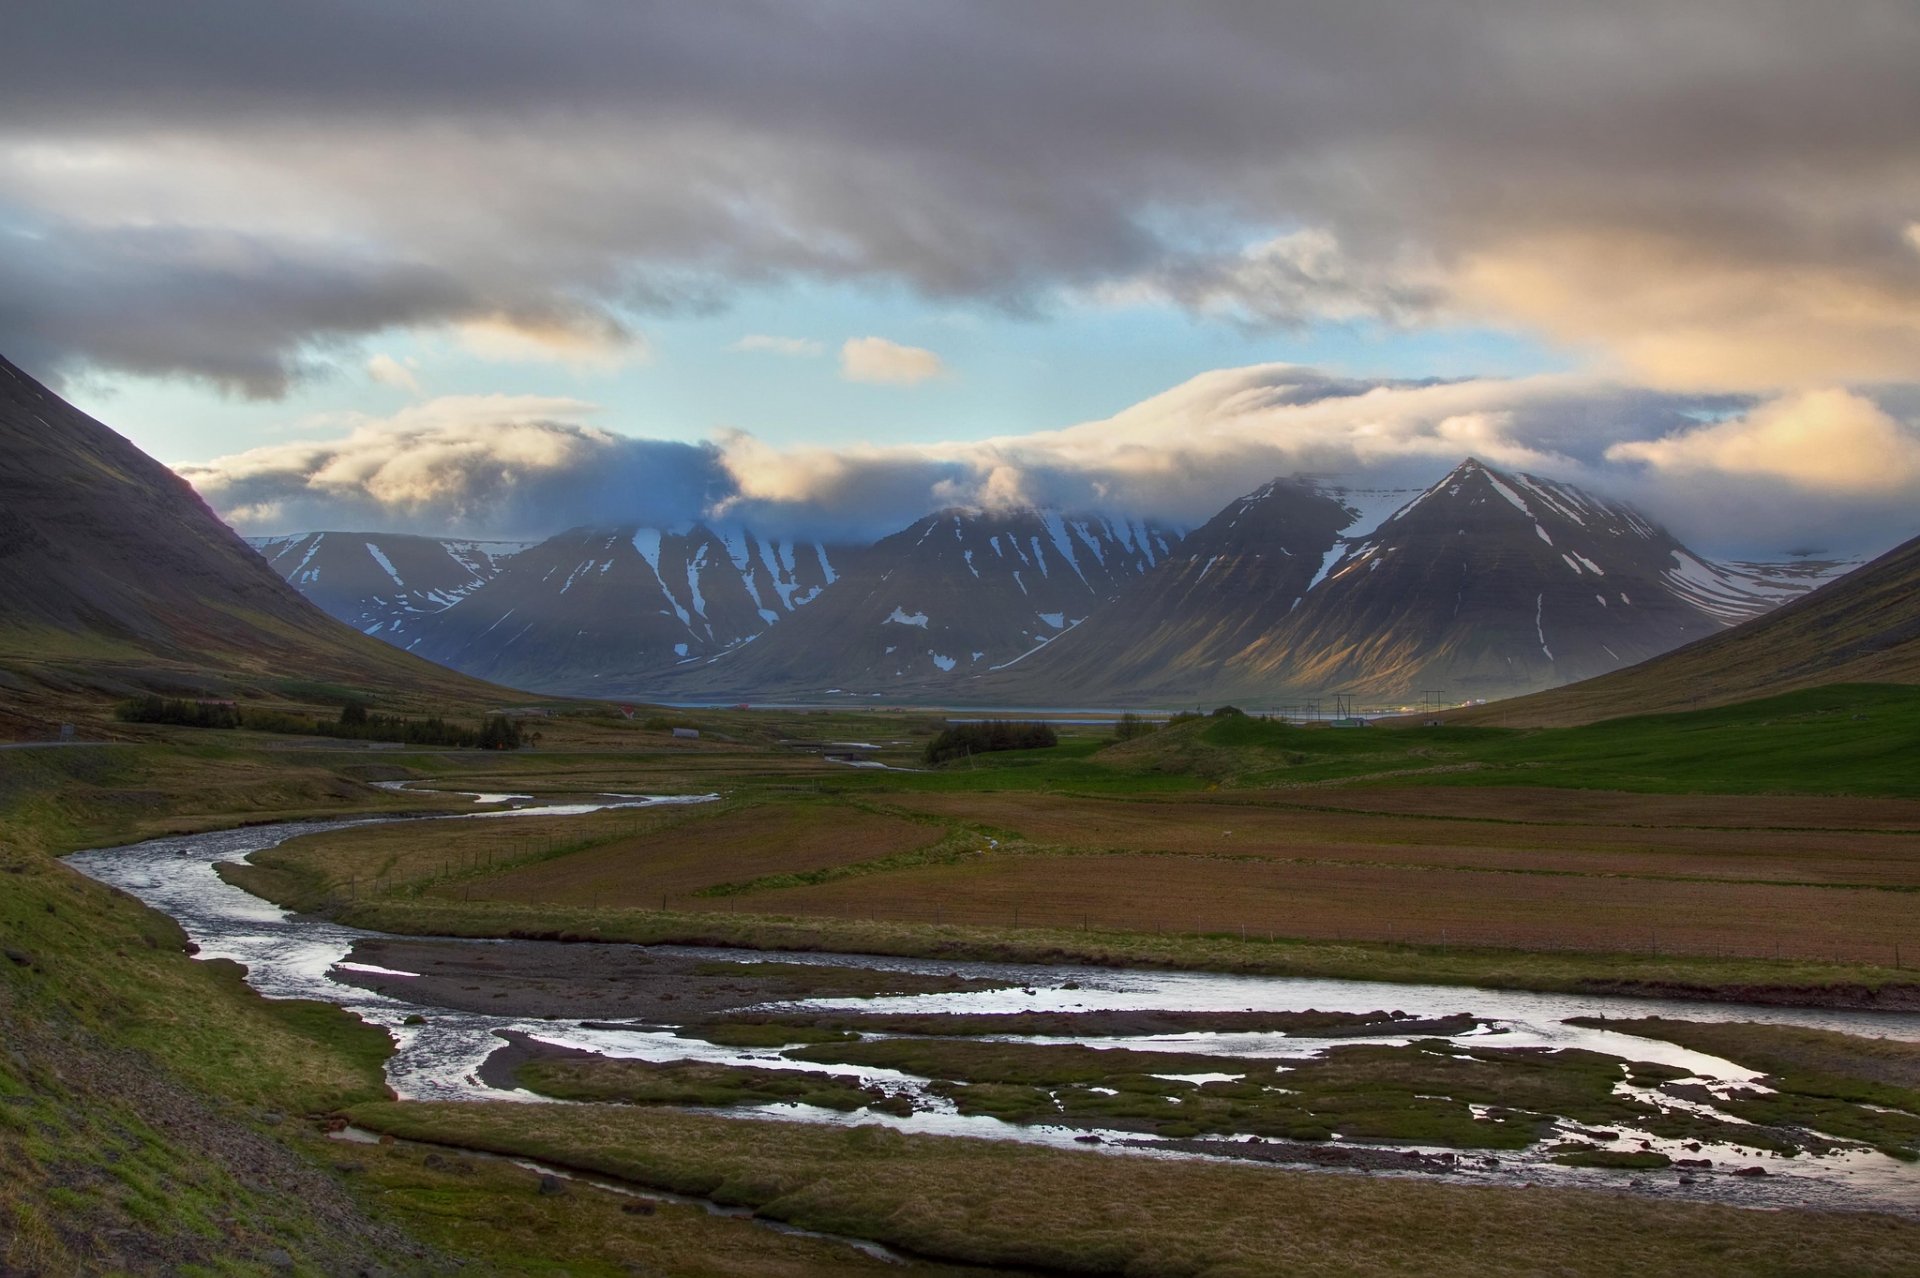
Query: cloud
(1673,313)
(1293,280)
(580,339)
(1706,194)
(1828,440)
(1182,454)
(796,346)
(877,360)
(388,371)
(477,465)
(246,314)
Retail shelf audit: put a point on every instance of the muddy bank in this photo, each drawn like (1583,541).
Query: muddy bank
(501,1069)
(1304,1154)
(611,981)
(1862,998)
(1122,1023)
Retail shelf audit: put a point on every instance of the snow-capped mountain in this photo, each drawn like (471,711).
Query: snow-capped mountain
(1484,585)
(606,610)
(956,594)
(1226,586)
(1492,583)
(382,583)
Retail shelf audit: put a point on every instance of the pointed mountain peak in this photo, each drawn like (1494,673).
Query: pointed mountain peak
(1473,468)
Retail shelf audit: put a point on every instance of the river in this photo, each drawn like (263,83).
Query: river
(298,956)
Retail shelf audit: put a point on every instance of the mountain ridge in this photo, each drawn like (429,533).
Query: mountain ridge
(116,579)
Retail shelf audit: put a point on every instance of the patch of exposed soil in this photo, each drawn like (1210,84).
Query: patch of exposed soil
(1885,998)
(576,980)
(1316,1154)
(1128,1023)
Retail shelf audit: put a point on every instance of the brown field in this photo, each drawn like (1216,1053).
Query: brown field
(1531,869)
(1619,807)
(632,857)
(675,861)
(1387,903)
(408,851)
(1211,828)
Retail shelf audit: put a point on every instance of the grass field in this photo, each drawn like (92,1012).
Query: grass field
(1700,875)
(999,1204)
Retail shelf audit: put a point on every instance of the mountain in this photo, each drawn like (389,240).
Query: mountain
(957,593)
(115,578)
(1228,584)
(1485,585)
(606,610)
(379,582)
(1862,628)
(1492,583)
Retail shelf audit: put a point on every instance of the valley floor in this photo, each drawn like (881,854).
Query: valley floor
(1443,859)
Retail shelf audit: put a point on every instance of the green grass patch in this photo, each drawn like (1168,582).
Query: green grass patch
(1842,739)
(631,1082)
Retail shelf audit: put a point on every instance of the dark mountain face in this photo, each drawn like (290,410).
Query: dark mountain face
(379,583)
(1226,586)
(607,610)
(115,577)
(1862,628)
(1485,585)
(1489,584)
(954,595)
(98,538)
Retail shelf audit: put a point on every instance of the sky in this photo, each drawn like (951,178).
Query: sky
(491,268)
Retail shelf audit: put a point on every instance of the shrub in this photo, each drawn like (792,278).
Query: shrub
(1132,725)
(965,739)
(191,714)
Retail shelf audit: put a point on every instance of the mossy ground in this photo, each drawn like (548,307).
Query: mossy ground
(1000,1204)
(695,1083)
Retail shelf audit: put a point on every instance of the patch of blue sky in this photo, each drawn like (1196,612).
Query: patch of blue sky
(1005,373)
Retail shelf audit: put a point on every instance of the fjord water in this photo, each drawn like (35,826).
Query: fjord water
(439,1057)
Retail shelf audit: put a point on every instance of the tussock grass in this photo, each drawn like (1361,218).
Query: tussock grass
(995,1203)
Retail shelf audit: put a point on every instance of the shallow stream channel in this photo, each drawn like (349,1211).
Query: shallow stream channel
(1203,1065)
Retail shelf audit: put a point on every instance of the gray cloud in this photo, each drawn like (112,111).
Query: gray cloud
(1706,194)
(238,310)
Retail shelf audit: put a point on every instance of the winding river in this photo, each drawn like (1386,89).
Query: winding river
(297,956)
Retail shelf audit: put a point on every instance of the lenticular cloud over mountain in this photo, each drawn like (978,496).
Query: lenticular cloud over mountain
(529,466)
